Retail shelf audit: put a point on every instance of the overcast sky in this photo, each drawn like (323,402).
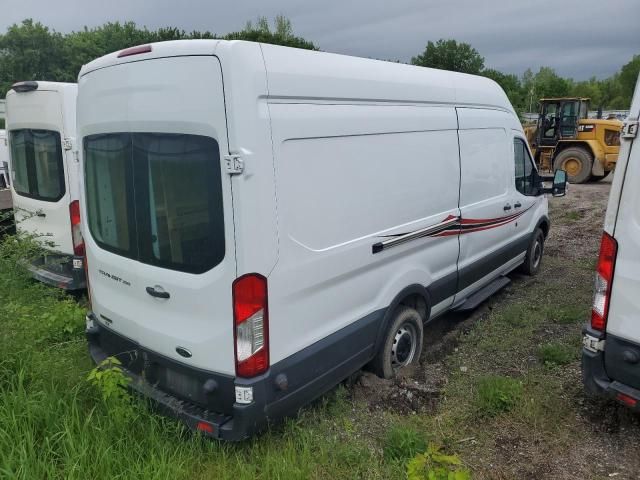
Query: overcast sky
(578,38)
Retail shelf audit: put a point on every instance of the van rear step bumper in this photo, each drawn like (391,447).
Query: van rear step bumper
(596,380)
(59,270)
(245,420)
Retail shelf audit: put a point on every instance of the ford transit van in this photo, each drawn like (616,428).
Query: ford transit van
(262,221)
(41,122)
(611,340)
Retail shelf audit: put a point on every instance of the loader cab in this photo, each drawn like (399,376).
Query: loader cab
(559,119)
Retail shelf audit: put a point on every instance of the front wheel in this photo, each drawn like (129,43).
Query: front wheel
(402,344)
(577,162)
(533,259)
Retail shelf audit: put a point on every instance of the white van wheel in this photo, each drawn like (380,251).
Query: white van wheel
(402,344)
(533,259)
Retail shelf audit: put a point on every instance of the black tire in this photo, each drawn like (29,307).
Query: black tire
(597,178)
(577,162)
(535,250)
(402,344)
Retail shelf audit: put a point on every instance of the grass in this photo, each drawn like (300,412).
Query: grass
(404,442)
(497,394)
(56,424)
(555,354)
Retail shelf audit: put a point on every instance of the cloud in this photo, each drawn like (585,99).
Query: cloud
(578,38)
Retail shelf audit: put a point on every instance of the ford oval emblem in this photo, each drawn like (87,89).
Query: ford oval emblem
(183,352)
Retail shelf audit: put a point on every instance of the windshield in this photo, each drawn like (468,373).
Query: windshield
(156,198)
(36,159)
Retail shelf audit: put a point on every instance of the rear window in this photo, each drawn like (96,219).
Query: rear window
(156,198)
(36,159)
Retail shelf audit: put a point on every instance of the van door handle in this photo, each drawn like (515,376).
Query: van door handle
(157,293)
(41,214)
(507,207)
(517,205)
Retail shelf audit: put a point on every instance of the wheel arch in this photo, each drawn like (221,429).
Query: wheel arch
(543,224)
(415,296)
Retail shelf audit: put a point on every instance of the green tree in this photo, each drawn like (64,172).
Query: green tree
(30,51)
(281,35)
(628,79)
(510,84)
(450,55)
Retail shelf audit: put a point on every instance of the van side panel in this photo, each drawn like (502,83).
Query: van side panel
(348,177)
(624,310)
(486,158)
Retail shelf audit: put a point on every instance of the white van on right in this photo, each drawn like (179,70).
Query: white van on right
(611,342)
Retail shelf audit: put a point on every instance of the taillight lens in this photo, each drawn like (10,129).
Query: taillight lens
(251,325)
(604,278)
(76,234)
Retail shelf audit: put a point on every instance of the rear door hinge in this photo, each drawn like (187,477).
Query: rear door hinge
(630,129)
(234,164)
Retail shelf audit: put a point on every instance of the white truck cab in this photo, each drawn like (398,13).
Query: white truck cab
(611,351)
(41,125)
(262,221)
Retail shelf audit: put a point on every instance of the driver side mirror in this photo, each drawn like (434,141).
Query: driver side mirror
(559,188)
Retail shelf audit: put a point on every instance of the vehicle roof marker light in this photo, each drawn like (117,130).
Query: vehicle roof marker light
(134,51)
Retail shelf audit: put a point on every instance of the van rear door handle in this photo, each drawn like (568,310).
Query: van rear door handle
(517,205)
(507,207)
(157,292)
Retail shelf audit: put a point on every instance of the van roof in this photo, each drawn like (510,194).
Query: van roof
(305,74)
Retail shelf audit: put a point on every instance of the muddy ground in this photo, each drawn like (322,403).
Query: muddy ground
(577,437)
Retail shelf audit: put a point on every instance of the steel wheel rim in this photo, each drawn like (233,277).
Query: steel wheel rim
(537,254)
(573,166)
(404,346)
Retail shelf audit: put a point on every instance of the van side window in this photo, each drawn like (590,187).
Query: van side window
(37,164)
(525,172)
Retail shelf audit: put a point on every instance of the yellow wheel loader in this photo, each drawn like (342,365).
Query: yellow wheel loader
(565,138)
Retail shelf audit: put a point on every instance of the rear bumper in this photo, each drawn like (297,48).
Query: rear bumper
(227,413)
(239,424)
(59,270)
(597,381)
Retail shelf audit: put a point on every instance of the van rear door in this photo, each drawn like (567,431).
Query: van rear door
(158,206)
(39,171)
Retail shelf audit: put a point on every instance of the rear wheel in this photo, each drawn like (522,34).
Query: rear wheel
(577,162)
(533,259)
(402,343)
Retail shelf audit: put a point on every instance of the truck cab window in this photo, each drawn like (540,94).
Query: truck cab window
(524,169)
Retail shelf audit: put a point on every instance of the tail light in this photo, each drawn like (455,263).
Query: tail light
(76,234)
(251,325)
(604,278)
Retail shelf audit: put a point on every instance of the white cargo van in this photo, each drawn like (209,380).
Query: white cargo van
(4,161)
(41,121)
(611,351)
(262,221)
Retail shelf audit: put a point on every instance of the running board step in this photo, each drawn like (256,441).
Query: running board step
(481,295)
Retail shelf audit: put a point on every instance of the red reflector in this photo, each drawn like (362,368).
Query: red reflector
(134,51)
(204,427)
(627,400)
